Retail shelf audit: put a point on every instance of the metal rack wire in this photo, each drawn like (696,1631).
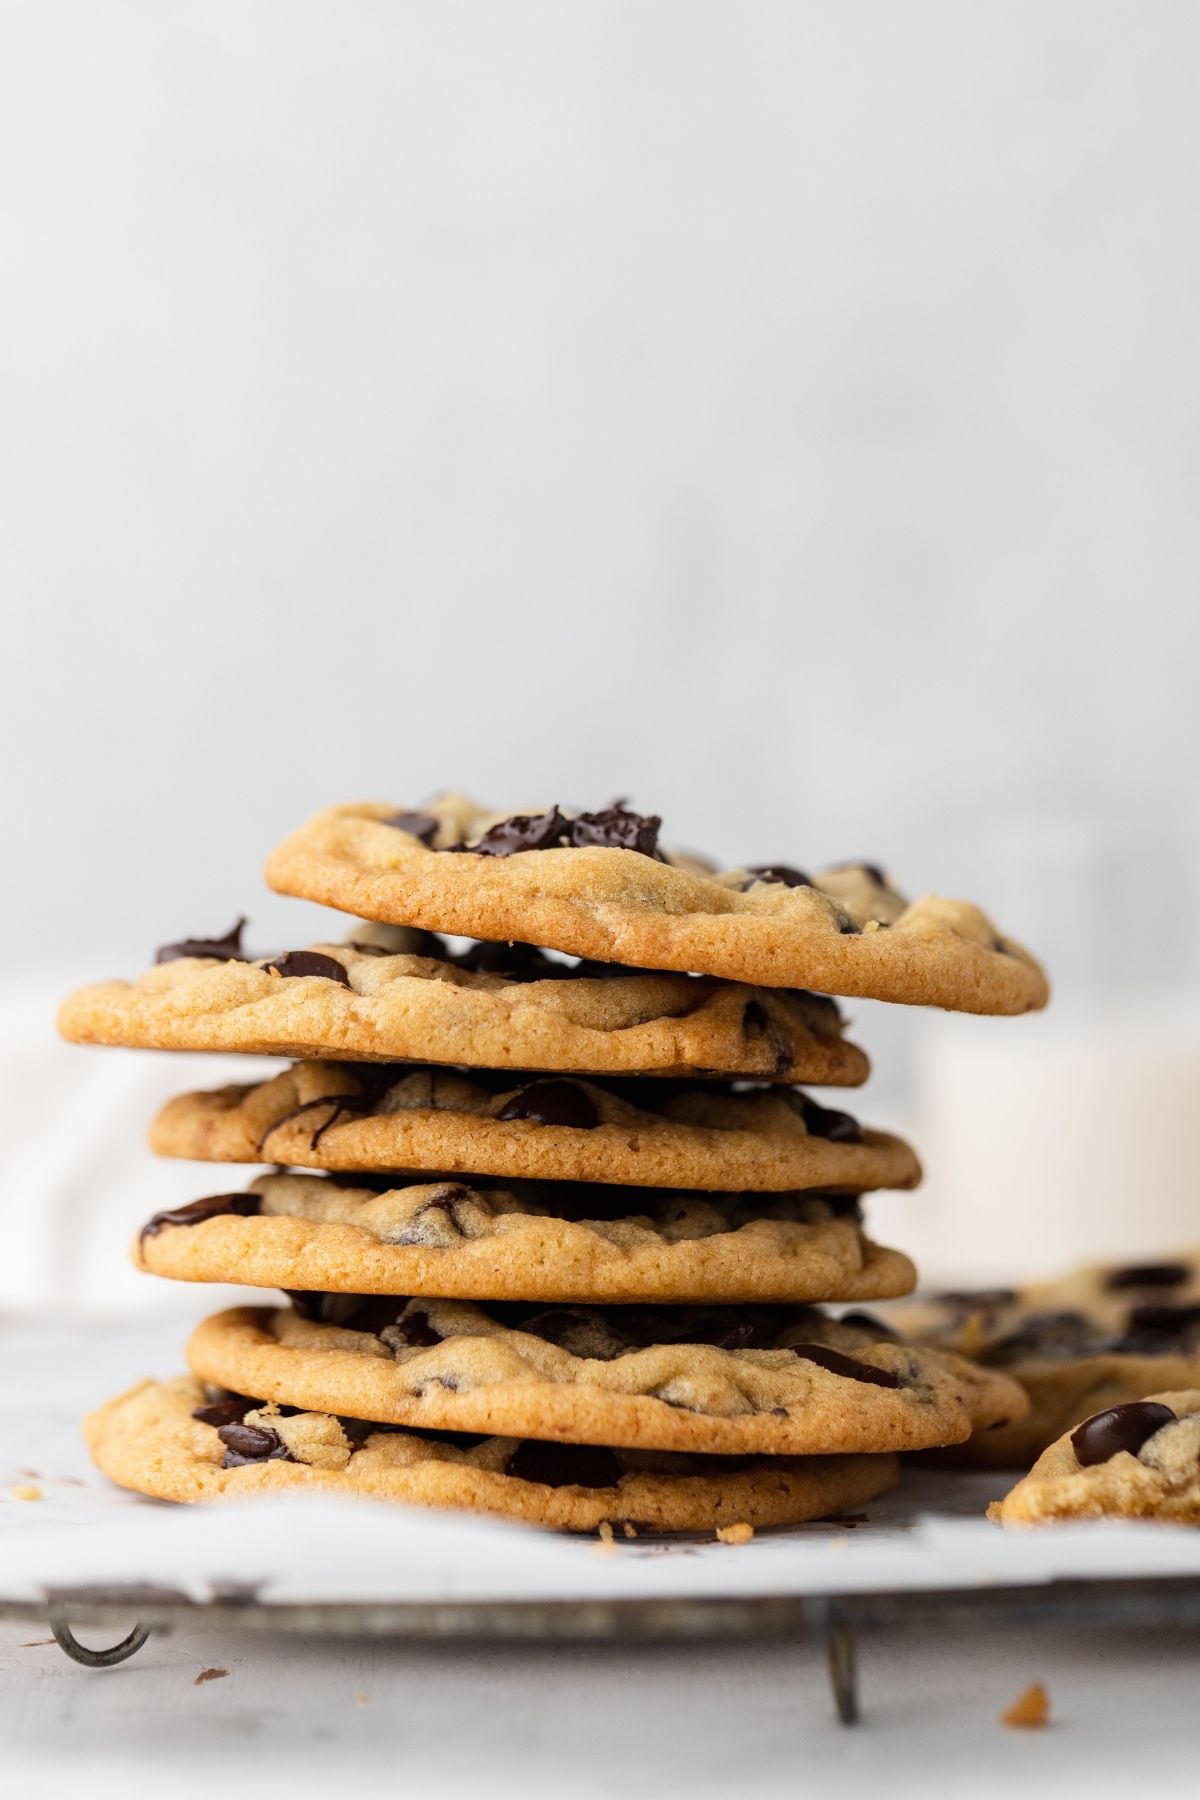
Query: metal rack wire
(836,1621)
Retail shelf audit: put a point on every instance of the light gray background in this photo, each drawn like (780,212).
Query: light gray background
(787,414)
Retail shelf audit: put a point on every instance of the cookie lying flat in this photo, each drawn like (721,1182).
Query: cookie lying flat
(596,885)
(498,1006)
(1140,1460)
(552,1242)
(733,1381)
(649,1134)
(1098,1337)
(151,1440)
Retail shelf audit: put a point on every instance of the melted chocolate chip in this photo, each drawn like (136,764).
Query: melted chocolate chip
(754,1016)
(225,1412)
(775,875)
(351,1312)
(1119,1428)
(415,1330)
(553,1103)
(824,1122)
(1156,1275)
(515,962)
(1064,1333)
(866,1321)
(564,1465)
(295,964)
(417,824)
(847,1366)
(524,831)
(222,949)
(251,1444)
(196,1211)
(345,1106)
(1173,1320)
(616,828)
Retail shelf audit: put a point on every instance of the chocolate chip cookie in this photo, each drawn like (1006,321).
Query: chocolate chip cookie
(560,1128)
(1099,1337)
(174,1440)
(544,1241)
(598,885)
(1136,1460)
(712,1380)
(395,995)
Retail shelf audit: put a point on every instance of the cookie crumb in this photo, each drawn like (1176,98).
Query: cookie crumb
(362,1699)
(26,1491)
(209,1675)
(735,1534)
(605,1532)
(604,1546)
(629,1530)
(1031,1712)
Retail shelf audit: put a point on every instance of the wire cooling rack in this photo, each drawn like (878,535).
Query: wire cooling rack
(837,1621)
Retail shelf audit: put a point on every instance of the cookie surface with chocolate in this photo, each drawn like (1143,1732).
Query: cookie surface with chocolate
(562,1128)
(401,995)
(173,1441)
(711,1380)
(1102,1336)
(1136,1460)
(598,885)
(549,1242)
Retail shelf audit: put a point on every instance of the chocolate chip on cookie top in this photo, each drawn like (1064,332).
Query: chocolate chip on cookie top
(1119,1428)
(216,949)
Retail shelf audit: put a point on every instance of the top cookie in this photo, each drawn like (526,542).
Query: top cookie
(596,885)
(393,995)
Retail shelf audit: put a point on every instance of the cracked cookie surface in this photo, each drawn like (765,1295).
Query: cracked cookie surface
(649,1134)
(1100,1336)
(741,1380)
(1136,1460)
(391,995)
(606,892)
(544,1242)
(149,1439)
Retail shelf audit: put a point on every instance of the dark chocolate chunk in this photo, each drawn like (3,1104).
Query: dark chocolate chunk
(775,875)
(823,1121)
(754,1016)
(524,831)
(415,1330)
(1155,1275)
(1118,1428)
(849,1366)
(225,1412)
(866,1321)
(1175,1320)
(564,1465)
(251,1444)
(345,1106)
(298,963)
(417,824)
(616,828)
(1064,1333)
(515,962)
(222,949)
(553,1103)
(196,1211)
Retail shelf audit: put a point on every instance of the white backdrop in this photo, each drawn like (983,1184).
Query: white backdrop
(787,414)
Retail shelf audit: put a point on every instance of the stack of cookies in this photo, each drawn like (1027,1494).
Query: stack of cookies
(556,1229)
